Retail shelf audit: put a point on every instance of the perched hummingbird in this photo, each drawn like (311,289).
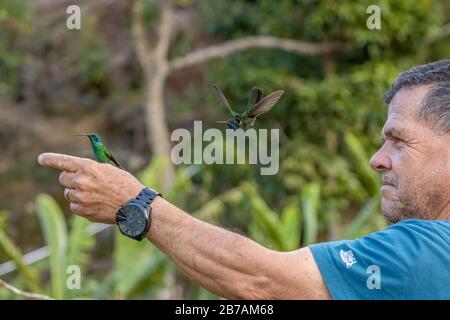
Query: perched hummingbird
(256,107)
(101,153)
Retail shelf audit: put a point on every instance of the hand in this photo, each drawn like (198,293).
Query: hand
(96,190)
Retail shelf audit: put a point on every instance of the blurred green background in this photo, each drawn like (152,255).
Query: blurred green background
(56,82)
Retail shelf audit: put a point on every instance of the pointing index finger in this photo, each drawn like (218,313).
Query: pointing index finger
(60,161)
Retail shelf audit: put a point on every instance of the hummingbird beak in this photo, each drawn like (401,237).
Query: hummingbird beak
(221,121)
(82,135)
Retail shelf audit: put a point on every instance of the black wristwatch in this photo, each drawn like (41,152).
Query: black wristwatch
(134,217)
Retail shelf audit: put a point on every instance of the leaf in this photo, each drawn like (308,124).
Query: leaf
(179,190)
(151,175)
(362,218)
(14,253)
(310,205)
(133,262)
(54,227)
(259,235)
(103,288)
(216,206)
(370,178)
(291,223)
(266,218)
(80,243)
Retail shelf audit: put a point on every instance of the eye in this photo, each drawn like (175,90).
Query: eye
(399,144)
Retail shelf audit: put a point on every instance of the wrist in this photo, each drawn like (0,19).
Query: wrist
(134,218)
(157,210)
(131,192)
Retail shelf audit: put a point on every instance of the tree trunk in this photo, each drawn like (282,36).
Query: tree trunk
(156,124)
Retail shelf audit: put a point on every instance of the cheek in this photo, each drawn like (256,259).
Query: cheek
(436,173)
(420,171)
(401,164)
(408,162)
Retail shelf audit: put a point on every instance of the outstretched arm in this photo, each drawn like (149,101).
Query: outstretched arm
(228,264)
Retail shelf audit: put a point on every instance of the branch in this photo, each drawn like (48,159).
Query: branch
(26,295)
(51,5)
(164,33)
(143,51)
(232,46)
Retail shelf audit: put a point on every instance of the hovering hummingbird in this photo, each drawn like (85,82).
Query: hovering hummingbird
(101,153)
(256,107)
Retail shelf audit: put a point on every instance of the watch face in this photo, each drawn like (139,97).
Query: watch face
(135,221)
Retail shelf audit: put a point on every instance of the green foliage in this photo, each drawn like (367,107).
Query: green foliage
(402,23)
(134,262)
(369,177)
(65,248)
(266,221)
(55,232)
(362,218)
(310,202)
(29,273)
(15,22)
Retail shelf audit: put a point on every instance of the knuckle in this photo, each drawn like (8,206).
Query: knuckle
(79,210)
(87,165)
(76,196)
(83,166)
(84,198)
(61,177)
(79,182)
(60,163)
(75,208)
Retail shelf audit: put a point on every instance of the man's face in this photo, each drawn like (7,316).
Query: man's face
(414,161)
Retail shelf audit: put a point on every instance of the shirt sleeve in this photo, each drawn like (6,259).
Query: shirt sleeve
(377,266)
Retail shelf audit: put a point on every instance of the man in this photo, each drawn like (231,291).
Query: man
(408,260)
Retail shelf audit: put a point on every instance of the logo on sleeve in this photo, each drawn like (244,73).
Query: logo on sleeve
(348,258)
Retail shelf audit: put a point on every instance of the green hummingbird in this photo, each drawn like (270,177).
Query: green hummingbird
(100,151)
(256,107)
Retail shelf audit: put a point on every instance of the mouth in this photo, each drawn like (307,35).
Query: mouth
(388,182)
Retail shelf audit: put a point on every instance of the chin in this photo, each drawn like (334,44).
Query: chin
(390,212)
(392,218)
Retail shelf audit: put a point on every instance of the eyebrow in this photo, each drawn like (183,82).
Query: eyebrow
(392,132)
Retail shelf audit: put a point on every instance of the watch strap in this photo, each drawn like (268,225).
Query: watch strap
(146,197)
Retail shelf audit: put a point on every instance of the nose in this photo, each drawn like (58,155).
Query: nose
(380,160)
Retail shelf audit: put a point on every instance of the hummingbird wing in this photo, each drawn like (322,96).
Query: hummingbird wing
(255,96)
(222,98)
(264,105)
(111,157)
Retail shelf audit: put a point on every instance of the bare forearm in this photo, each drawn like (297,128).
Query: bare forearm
(224,262)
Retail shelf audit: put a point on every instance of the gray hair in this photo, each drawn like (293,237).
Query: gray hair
(435,107)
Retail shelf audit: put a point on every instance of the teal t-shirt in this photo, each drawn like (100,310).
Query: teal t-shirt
(407,260)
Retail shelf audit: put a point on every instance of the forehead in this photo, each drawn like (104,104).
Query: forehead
(403,109)
(407,101)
